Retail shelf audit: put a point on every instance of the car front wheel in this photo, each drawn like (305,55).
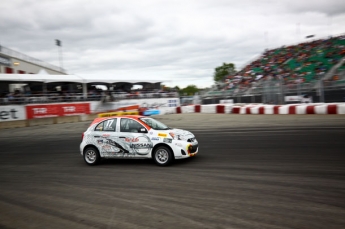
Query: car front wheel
(163,156)
(91,156)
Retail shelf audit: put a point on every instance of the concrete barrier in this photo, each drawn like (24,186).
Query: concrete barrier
(90,117)
(13,124)
(67,119)
(187,109)
(47,121)
(341,108)
(167,110)
(41,121)
(208,109)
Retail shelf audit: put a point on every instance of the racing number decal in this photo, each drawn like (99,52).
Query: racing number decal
(108,124)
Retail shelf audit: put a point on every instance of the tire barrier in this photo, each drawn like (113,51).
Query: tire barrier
(300,109)
(297,109)
(207,109)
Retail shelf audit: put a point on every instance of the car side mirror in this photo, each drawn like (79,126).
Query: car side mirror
(142,130)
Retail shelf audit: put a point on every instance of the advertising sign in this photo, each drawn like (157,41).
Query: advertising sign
(298,98)
(295,98)
(56,110)
(222,101)
(98,107)
(12,113)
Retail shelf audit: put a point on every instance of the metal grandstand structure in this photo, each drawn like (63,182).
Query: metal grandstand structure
(29,59)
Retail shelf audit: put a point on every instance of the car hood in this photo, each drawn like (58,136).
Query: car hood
(184,134)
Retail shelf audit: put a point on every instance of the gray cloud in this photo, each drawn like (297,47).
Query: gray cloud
(330,8)
(180,41)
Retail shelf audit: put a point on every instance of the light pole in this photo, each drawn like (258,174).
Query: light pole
(58,43)
(15,64)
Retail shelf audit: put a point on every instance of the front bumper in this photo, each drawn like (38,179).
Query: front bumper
(184,149)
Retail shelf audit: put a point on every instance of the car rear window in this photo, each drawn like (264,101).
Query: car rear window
(107,125)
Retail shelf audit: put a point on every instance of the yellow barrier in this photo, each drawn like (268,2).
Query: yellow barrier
(110,114)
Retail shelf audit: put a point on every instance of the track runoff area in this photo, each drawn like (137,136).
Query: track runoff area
(252,171)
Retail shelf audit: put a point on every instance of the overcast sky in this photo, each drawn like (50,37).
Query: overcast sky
(179,41)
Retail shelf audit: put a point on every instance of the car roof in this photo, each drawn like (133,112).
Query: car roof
(98,120)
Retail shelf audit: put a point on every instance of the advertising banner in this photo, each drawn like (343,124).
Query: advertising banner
(56,110)
(12,113)
(298,98)
(154,103)
(223,101)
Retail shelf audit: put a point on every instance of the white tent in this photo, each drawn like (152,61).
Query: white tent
(46,78)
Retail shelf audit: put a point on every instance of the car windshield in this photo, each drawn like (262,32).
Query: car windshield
(154,124)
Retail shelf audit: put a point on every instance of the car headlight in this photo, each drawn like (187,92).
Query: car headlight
(177,137)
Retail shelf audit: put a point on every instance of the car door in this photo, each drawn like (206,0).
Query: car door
(134,136)
(106,139)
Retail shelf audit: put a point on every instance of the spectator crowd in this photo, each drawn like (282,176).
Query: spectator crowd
(295,64)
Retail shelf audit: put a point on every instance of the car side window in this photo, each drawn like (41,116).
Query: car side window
(129,125)
(108,125)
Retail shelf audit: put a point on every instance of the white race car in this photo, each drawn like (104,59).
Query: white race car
(134,136)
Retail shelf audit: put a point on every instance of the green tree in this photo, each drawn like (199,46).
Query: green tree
(177,88)
(189,90)
(222,71)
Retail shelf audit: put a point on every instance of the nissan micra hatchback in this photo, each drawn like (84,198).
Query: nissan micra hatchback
(135,136)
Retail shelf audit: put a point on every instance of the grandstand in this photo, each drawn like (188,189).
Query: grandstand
(309,68)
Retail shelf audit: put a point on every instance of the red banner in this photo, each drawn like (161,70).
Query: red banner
(56,110)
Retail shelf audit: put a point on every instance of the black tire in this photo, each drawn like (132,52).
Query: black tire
(163,156)
(91,156)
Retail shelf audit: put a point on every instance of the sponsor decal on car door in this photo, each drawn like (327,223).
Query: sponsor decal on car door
(106,140)
(117,144)
(142,146)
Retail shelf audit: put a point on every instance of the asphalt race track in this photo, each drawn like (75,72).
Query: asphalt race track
(252,171)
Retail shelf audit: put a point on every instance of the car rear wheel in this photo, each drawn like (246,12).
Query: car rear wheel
(91,156)
(163,156)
